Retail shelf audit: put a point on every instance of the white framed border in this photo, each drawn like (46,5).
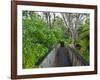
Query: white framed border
(21,71)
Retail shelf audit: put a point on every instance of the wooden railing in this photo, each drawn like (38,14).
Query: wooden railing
(49,60)
(75,58)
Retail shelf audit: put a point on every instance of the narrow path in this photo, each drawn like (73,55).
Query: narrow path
(62,57)
(58,57)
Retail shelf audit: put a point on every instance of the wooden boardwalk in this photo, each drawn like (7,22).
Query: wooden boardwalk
(62,57)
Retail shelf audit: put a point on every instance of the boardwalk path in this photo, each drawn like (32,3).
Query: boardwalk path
(62,57)
(58,57)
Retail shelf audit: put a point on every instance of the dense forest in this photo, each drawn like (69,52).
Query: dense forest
(42,31)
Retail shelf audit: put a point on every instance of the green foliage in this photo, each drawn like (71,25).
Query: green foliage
(37,40)
(82,43)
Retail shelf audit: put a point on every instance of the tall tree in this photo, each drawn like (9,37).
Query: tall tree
(72,21)
(47,16)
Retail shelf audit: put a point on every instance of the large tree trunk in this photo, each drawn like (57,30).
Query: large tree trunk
(72,21)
